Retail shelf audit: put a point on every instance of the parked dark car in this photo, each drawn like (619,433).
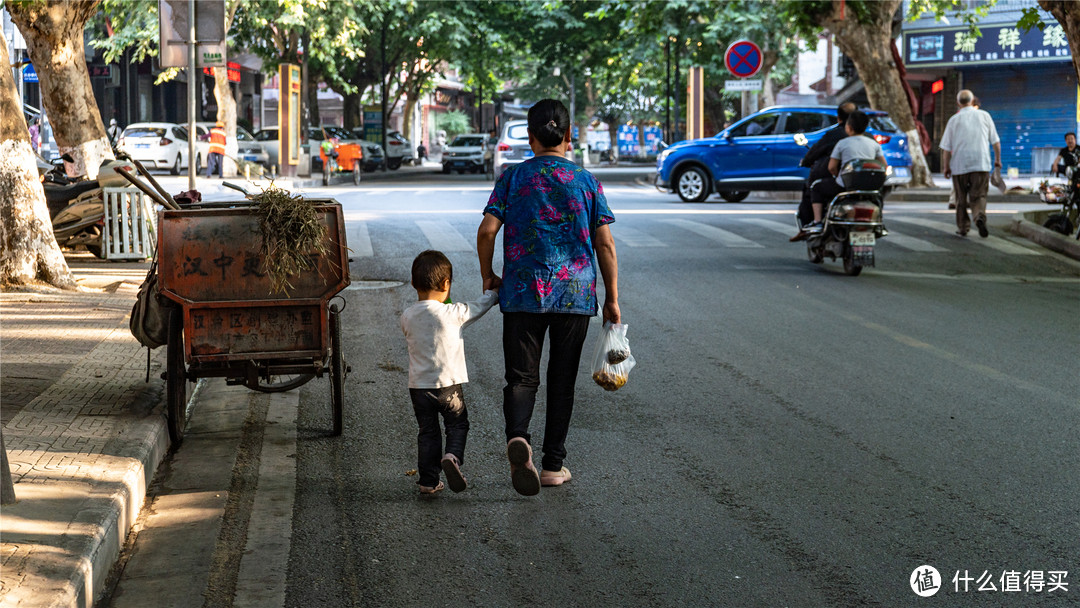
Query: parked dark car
(760,153)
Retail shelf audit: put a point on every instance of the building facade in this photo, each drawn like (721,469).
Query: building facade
(1026,81)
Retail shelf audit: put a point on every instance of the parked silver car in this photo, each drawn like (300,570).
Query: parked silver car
(245,147)
(513,146)
(470,152)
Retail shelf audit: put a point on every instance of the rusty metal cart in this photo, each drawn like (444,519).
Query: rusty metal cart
(228,323)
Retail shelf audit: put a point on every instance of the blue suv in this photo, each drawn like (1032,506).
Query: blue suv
(759,153)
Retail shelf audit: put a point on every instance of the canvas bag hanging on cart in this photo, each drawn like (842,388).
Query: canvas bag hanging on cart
(150,316)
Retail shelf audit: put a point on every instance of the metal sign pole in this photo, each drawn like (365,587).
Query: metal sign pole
(191,95)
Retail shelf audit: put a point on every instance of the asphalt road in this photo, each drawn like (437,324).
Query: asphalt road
(790,437)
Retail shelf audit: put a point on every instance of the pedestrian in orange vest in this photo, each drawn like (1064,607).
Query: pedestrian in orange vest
(216,154)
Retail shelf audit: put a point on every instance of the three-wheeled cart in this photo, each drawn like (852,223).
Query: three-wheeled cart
(349,159)
(228,323)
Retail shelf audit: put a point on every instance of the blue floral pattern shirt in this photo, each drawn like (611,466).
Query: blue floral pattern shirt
(549,208)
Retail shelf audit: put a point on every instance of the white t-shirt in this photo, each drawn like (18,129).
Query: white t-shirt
(852,147)
(968,136)
(436,347)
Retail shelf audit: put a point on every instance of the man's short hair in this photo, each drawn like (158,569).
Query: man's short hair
(844,110)
(858,121)
(964,97)
(1070,133)
(431,270)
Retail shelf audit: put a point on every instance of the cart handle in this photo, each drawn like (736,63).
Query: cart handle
(237,188)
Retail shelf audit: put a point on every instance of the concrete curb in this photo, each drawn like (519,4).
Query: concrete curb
(83,452)
(1027,225)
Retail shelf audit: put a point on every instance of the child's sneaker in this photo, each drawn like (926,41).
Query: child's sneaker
(454,478)
(432,490)
(554,478)
(522,472)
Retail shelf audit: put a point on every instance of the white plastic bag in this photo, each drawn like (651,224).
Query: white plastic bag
(612,361)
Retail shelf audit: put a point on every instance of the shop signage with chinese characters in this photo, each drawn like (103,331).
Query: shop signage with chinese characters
(1005,43)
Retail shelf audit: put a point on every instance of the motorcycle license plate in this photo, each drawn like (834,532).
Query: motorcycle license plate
(862,239)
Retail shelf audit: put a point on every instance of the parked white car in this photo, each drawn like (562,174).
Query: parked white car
(157,145)
(268,139)
(399,150)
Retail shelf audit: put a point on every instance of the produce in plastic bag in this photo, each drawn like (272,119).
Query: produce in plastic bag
(612,362)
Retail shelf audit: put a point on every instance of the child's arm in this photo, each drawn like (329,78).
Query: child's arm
(471,311)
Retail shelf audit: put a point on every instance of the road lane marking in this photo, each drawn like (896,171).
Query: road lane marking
(443,236)
(912,243)
(631,237)
(725,238)
(956,359)
(264,567)
(993,242)
(782,228)
(360,241)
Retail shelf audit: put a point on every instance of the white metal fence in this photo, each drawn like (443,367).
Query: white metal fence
(130,225)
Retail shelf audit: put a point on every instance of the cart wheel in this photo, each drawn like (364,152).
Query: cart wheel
(280,384)
(337,369)
(357,171)
(176,378)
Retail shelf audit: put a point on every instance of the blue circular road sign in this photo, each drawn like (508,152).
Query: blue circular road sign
(743,58)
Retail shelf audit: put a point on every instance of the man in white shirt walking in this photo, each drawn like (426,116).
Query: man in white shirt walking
(965,154)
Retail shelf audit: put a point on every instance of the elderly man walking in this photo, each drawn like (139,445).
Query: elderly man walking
(965,148)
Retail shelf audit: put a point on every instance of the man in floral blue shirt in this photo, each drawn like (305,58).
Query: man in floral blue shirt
(557,234)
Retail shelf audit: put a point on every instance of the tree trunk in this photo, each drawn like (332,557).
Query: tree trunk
(767,97)
(868,45)
(1067,13)
(226,113)
(28,250)
(407,113)
(54,38)
(352,109)
(226,102)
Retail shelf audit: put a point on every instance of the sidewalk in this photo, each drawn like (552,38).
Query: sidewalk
(84,433)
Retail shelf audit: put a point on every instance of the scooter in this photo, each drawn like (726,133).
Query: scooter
(77,209)
(852,222)
(1068,218)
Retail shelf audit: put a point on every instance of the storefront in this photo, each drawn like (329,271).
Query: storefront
(1025,81)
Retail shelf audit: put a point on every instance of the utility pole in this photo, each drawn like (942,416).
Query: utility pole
(192,78)
(667,90)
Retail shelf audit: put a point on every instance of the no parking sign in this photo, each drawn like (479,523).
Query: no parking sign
(743,58)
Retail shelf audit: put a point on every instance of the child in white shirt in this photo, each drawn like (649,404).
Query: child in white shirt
(433,331)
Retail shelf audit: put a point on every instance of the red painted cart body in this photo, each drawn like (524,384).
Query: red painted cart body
(211,265)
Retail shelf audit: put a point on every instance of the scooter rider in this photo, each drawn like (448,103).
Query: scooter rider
(854,146)
(817,158)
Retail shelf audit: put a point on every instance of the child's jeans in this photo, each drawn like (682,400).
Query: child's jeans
(428,403)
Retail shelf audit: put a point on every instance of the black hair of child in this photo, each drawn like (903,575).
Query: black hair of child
(858,121)
(431,270)
(548,121)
